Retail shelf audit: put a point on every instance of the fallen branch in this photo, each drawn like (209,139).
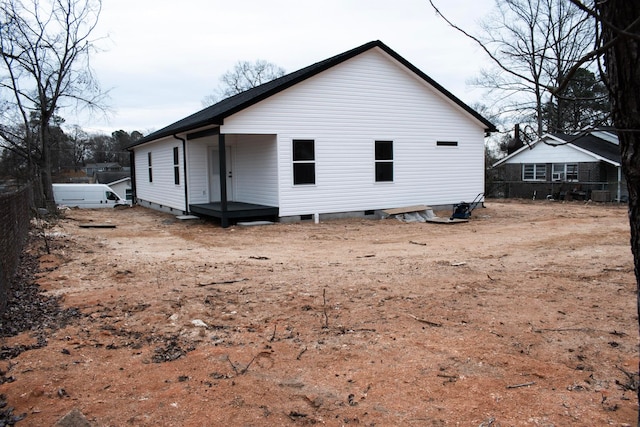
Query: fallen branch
(563,330)
(246,368)
(417,243)
(428,322)
(223,282)
(324,309)
(450,377)
(301,353)
(273,337)
(606,270)
(632,380)
(521,385)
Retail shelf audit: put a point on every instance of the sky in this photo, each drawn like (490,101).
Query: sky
(160,58)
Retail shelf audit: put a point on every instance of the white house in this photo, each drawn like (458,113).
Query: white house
(122,187)
(584,165)
(119,181)
(362,131)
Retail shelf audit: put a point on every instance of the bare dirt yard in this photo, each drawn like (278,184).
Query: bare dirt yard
(524,316)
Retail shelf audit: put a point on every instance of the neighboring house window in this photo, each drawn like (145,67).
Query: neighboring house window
(534,172)
(447,143)
(304,162)
(150,169)
(176,166)
(384,161)
(565,172)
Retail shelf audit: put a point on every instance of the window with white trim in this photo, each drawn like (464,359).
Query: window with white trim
(384,161)
(534,172)
(565,172)
(304,162)
(150,168)
(176,165)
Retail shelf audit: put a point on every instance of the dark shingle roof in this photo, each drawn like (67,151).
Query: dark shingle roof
(215,114)
(600,147)
(595,145)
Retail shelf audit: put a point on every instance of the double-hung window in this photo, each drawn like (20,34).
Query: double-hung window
(565,172)
(384,161)
(571,172)
(534,172)
(304,162)
(150,168)
(176,165)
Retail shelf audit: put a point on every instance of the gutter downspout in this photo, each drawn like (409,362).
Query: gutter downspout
(184,168)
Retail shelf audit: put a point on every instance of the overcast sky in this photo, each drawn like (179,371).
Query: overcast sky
(162,57)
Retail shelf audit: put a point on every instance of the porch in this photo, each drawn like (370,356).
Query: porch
(235,211)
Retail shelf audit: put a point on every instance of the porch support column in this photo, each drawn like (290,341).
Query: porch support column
(224,220)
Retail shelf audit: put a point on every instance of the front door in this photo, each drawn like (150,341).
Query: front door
(214,176)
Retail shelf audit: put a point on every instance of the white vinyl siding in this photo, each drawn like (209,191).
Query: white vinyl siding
(197,169)
(344,109)
(255,169)
(545,153)
(253,166)
(162,190)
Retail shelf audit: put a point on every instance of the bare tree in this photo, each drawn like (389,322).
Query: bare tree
(45,47)
(619,43)
(616,25)
(244,75)
(78,147)
(533,43)
(583,103)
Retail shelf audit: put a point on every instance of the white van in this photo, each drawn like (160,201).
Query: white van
(87,196)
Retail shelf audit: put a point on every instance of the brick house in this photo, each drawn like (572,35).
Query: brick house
(560,166)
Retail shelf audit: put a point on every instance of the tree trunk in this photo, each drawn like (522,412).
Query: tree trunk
(46,159)
(47,190)
(36,186)
(622,63)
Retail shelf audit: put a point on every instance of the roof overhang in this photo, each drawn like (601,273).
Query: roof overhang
(555,141)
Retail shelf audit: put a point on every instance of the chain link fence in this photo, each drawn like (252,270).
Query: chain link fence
(595,191)
(14,227)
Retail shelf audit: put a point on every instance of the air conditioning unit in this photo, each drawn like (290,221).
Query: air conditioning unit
(600,196)
(556,176)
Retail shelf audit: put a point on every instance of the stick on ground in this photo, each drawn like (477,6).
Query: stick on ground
(428,322)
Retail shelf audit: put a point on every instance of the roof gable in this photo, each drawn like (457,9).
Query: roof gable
(215,114)
(588,143)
